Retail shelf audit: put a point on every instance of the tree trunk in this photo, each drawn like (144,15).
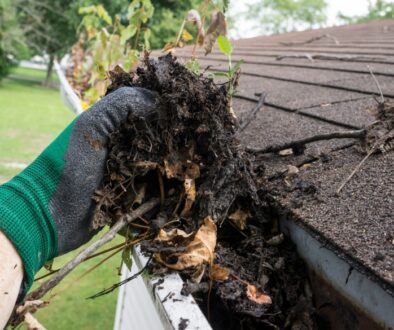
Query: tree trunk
(48,78)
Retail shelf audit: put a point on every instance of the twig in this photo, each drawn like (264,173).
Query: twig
(370,152)
(357,134)
(357,168)
(117,285)
(309,41)
(161,185)
(307,56)
(377,83)
(88,271)
(312,57)
(121,245)
(252,114)
(120,224)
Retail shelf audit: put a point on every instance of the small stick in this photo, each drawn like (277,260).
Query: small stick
(309,41)
(248,119)
(377,83)
(120,224)
(329,57)
(357,134)
(161,185)
(307,56)
(117,285)
(122,245)
(357,168)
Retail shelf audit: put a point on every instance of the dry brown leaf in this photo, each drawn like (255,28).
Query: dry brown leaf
(173,169)
(169,47)
(239,218)
(217,27)
(32,323)
(165,236)
(198,252)
(193,16)
(190,192)
(256,296)
(219,273)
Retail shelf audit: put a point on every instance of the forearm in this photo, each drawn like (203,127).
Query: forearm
(11,276)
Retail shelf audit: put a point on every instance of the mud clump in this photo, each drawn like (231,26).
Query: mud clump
(214,224)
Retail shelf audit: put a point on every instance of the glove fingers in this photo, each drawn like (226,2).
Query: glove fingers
(84,162)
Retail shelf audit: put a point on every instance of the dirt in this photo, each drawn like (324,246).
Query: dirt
(188,154)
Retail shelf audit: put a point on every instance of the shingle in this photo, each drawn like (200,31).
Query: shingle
(352,112)
(360,221)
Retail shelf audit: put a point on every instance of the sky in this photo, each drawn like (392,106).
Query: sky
(244,28)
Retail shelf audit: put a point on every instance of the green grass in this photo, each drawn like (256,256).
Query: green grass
(31,116)
(70,309)
(28,73)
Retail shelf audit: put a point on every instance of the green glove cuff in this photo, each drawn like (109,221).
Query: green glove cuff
(25,217)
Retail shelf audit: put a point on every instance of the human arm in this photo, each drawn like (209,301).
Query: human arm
(11,275)
(46,210)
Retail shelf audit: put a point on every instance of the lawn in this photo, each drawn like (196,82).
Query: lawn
(28,73)
(31,116)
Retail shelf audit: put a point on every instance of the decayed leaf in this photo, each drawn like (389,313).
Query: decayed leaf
(219,273)
(239,218)
(217,27)
(32,323)
(173,169)
(198,251)
(173,234)
(257,297)
(276,240)
(190,191)
(193,16)
(169,47)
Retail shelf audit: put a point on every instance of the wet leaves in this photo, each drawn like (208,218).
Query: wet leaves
(199,250)
(256,296)
(217,27)
(239,218)
(219,273)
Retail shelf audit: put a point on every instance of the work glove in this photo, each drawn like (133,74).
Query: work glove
(46,210)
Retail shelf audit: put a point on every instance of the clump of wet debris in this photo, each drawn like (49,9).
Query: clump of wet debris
(214,224)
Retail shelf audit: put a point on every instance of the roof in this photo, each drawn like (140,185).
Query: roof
(319,81)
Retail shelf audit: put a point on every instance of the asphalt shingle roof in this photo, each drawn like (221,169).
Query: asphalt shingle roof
(331,93)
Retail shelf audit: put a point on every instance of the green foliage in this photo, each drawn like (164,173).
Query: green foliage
(379,9)
(111,42)
(225,46)
(167,18)
(12,42)
(4,64)
(232,74)
(277,16)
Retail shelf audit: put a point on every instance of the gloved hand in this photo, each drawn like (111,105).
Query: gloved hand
(46,209)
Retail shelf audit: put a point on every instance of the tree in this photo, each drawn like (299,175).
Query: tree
(50,27)
(380,9)
(277,16)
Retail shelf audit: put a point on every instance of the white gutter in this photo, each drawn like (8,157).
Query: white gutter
(156,303)
(361,290)
(70,99)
